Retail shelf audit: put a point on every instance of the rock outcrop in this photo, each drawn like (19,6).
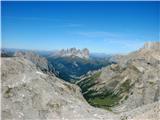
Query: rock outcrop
(72,52)
(28,93)
(39,61)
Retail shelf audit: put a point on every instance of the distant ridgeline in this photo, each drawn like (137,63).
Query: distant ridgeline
(72,52)
(69,64)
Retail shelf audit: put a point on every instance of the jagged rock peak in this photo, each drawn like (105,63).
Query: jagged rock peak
(152,45)
(84,53)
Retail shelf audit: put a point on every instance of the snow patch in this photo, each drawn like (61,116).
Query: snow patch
(39,73)
(24,77)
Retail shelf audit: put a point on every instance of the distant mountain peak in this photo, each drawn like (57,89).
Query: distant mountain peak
(73,52)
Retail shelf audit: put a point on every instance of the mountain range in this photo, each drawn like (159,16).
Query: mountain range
(72,52)
(69,65)
(124,89)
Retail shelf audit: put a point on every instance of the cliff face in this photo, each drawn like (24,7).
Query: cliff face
(28,93)
(131,83)
(73,52)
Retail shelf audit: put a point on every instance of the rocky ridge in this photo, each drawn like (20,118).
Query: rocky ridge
(41,62)
(131,83)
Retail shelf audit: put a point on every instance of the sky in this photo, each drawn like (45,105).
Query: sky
(102,27)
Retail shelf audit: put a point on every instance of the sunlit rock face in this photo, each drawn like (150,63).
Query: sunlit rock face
(28,93)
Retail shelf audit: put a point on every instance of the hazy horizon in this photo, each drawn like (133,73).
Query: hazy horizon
(102,27)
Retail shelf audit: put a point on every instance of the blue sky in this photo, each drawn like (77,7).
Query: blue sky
(108,27)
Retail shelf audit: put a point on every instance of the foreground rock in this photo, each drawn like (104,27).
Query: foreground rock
(28,93)
(146,112)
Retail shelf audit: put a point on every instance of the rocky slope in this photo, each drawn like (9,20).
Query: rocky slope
(28,93)
(131,83)
(72,52)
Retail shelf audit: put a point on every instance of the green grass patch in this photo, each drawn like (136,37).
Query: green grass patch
(151,83)
(108,101)
(104,100)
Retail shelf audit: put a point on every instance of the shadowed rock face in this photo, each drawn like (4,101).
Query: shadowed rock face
(28,93)
(131,83)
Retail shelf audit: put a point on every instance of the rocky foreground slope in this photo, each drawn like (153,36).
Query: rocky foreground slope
(28,93)
(130,84)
